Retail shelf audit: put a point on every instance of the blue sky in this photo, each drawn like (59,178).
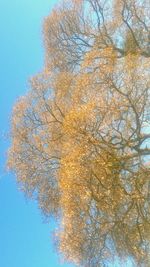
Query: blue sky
(25,241)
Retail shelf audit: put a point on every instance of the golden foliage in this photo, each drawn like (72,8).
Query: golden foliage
(80,138)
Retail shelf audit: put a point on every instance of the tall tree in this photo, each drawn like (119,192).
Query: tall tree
(80,137)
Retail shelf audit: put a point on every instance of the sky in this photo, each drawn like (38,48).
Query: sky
(25,240)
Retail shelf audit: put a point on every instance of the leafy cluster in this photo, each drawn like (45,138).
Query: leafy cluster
(80,137)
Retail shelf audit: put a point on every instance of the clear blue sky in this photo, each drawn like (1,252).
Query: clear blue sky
(25,241)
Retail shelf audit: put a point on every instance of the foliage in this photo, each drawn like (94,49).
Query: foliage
(80,137)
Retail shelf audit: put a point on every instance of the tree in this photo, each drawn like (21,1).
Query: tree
(80,137)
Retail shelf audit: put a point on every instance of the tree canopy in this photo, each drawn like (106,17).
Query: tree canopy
(80,137)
